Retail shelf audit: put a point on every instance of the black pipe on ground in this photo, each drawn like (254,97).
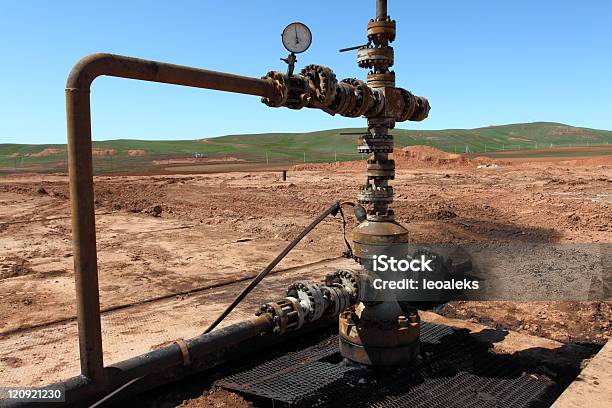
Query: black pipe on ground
(168,364)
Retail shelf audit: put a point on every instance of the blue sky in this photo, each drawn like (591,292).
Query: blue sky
(479,62)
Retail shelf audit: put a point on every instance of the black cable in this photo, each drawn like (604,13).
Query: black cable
(333,209)
(115,392)
(349,251)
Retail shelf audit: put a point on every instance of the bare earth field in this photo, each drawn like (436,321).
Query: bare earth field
(171,247)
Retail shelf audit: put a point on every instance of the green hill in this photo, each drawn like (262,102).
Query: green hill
(318,146)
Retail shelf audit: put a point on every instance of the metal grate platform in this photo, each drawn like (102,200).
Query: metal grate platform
(453,371)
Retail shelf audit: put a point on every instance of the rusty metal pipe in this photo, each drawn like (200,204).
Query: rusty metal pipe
(95,65)
(198,347)
(381,9)
(81,172)
(168,364)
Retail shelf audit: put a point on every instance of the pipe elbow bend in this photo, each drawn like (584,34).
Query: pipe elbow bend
(87,69)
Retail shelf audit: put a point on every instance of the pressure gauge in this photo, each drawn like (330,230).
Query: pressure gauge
(296,37)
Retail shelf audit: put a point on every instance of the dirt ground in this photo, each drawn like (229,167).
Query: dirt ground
(218,398)
(195,234)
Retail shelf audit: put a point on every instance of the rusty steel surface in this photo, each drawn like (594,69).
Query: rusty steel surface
(377,333)
(381,9)
(84,233)
(382,332)
(95,65)
(78,114)
(315,87)
(80,170)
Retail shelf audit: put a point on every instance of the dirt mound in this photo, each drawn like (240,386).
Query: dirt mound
(47,152)
(408,157)
(428,154)
(588,161)
(103,152)
(339,166)
(217,398)
(136,152)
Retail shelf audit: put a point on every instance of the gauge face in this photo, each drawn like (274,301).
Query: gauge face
(297,37)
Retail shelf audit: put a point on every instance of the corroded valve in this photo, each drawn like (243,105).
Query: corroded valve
(383,104)
(386,332)
(308,301)
(316,87)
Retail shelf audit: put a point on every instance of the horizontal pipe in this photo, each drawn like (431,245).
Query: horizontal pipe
(198,347)
(166,364)
(95,65)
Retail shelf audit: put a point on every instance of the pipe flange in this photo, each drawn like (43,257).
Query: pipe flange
(338,297)
(376,144)
(280,88)
(310,297)
(381,32)
(381,169)
(347,279)
(286,315)
(381,174)
(374,194)
(364,97)
(323,83)
(381,164)
(377,104)
(380,58)
(422,109)
(388,216)
(345,99)
(381,123)
(410,105)
(381,80)
(299,311)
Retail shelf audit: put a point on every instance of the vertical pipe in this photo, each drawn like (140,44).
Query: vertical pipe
(80,169)
(83,232)
(381,9)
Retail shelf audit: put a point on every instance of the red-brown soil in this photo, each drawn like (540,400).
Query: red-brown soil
(216,228)
(217,398)
(103,152)
(47,152)
(409,157)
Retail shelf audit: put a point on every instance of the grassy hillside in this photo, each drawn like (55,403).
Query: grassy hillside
(327,145)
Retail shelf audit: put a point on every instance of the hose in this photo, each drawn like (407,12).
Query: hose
(333,210)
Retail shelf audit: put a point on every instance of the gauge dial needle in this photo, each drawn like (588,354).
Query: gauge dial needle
(297,40)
